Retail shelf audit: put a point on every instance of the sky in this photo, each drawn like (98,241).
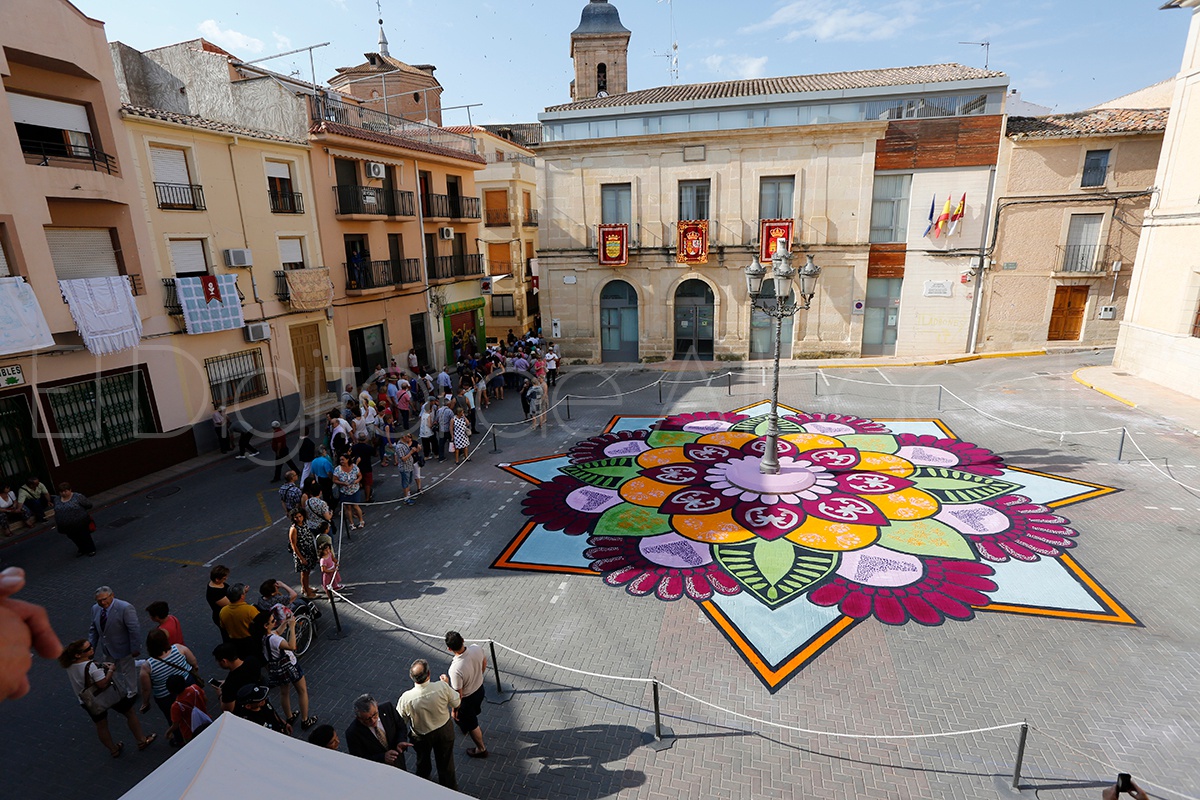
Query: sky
(514,57)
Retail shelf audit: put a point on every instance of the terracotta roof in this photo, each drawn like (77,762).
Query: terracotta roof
(1097,122)
(471,130)
(387,65)
(193,121)
(825,82)
(527,134)
(395,141)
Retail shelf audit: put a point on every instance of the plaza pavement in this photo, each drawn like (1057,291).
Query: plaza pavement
(1121,694)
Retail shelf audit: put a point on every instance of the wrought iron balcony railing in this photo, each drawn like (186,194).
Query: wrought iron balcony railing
(179,196)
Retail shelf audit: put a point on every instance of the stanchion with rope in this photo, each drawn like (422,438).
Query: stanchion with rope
(660,736)
(338,632)
(495,446)
(502,695)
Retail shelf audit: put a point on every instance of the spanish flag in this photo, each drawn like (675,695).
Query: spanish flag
(959,211)
(942,221)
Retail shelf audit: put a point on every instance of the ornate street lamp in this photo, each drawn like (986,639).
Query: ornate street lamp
(793,292)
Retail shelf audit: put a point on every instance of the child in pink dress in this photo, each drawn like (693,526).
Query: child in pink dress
(331,576)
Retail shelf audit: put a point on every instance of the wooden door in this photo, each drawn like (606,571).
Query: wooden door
(1066,320)
(309,360)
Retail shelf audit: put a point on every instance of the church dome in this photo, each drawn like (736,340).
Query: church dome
(599,16)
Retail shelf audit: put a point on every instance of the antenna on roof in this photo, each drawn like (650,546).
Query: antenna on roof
(383,42)
(673,56)
(987,51)
(310,48)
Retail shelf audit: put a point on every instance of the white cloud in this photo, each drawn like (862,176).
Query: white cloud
(839,20)
(739,67)
(281,42)
(228,38)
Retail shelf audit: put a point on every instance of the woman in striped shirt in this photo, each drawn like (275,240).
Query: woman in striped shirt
(165,660)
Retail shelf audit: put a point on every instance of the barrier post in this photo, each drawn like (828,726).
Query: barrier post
(817,383)
(567,400)
(939,397)
(729,383)
(495,447)
(1121,445)
(501,695)
(660,391)
(659,736)
(1016,781)
(337,622)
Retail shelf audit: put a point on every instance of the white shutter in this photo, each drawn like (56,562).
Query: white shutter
(170,165)
(278,169)
(290,251)
(30,110)
(82,253)
(187,257)
(1084,230)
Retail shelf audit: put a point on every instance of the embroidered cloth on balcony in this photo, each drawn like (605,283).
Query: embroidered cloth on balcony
(210,315)
(309,289)
(22,324)
(105,313)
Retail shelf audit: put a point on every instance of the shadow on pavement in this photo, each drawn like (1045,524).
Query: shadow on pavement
(573,761)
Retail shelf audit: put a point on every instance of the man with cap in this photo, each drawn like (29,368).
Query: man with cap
(253,705)
(279,446)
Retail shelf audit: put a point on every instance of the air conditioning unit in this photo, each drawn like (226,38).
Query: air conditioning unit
(239,257)
(376,170)
(446,233)
(257,331)
(1108,312)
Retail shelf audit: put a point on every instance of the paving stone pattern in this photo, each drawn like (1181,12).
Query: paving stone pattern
(1122,694)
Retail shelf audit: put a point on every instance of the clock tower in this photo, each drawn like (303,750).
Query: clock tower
(599,48)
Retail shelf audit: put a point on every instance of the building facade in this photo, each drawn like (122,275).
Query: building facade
(91,392)
(1160,332)
(704,177)
(1073,191)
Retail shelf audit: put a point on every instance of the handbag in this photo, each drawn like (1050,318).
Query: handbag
(280,670)
(96,700)
(91,523)
(192,672)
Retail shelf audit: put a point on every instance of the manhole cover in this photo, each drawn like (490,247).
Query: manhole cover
(122,522)
(159,494)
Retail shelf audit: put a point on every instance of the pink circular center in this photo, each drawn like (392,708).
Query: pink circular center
(792,477)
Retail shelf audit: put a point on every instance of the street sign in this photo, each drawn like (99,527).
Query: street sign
(11,376)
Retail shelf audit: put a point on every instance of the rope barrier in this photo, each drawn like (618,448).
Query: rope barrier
(1160,470)
(1115,769)
(572,669)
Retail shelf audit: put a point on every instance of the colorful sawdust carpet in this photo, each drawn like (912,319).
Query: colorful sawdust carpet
(896,520)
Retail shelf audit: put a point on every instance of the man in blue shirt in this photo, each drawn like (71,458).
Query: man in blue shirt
(322,469)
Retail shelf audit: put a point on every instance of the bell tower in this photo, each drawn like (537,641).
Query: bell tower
(600,48)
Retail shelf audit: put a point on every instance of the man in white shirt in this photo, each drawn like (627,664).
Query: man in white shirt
(466,677)
(551,367)
(426,709)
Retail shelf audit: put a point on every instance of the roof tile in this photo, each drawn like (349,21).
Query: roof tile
(395,141)
(193,121)
(1096,122)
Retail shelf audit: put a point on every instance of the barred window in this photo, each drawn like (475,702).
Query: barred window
(236,377)
(100,414)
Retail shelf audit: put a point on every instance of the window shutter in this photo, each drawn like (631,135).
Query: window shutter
(170,165)
(187,257)
(278,169)
(82,253)
(290,251)
(30,110)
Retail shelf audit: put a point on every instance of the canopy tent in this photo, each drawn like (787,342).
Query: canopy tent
(236,758)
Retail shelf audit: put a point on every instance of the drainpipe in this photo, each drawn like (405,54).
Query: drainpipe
(424,252)
(977,309)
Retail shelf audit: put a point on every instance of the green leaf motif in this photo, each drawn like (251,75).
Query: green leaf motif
(871,442)
(775,572)
(758,425)
(671,438)
(925,537)
(952,486)
(605,473)
(630,520)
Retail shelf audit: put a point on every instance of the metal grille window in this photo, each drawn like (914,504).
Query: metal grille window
(97,415)
(775,198)
(236,377)
(889,208)
(693,199)
(1095,168)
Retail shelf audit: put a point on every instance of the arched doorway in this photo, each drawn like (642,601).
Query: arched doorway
(694,313)
(618,322)
(762,328)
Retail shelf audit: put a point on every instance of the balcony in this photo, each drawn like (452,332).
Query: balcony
(382,274)
(448,206)
(327,108)
(531,218)
(286,202)
(282,292)
(451,267)
(373,201)
(1083,258)
(499,267)
(171,297)
(51,154)
(498,218)
(179,196)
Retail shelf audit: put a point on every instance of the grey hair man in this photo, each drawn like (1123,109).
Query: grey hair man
(377,733)
(426,708)
(116,633)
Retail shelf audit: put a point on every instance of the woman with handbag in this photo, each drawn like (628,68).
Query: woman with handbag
(72,519)
(304,549)
(93,685)
(165,660)
(279,653)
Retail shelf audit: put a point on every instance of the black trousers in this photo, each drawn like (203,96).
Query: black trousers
(82,539)
(439,744)
(279,462)
(244,443)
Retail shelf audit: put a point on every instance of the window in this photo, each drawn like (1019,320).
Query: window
(775,198)
(173,185)
(616,203)
(495,204)
(99,414)
(693,199)
(1095,168)
(83,252)
(601,77)
(1083,243)
(502,306)
(499,156)
(284,198)
(51,127)
(889,208)
(188,258)
(5,270)
(236,377)
(291,253)
(1196,323)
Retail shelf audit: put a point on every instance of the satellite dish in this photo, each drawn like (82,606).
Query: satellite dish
(602,94)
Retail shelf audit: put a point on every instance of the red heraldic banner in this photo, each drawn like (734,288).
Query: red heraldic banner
(692,247)
(770,231)
(614,245)
(211,289)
